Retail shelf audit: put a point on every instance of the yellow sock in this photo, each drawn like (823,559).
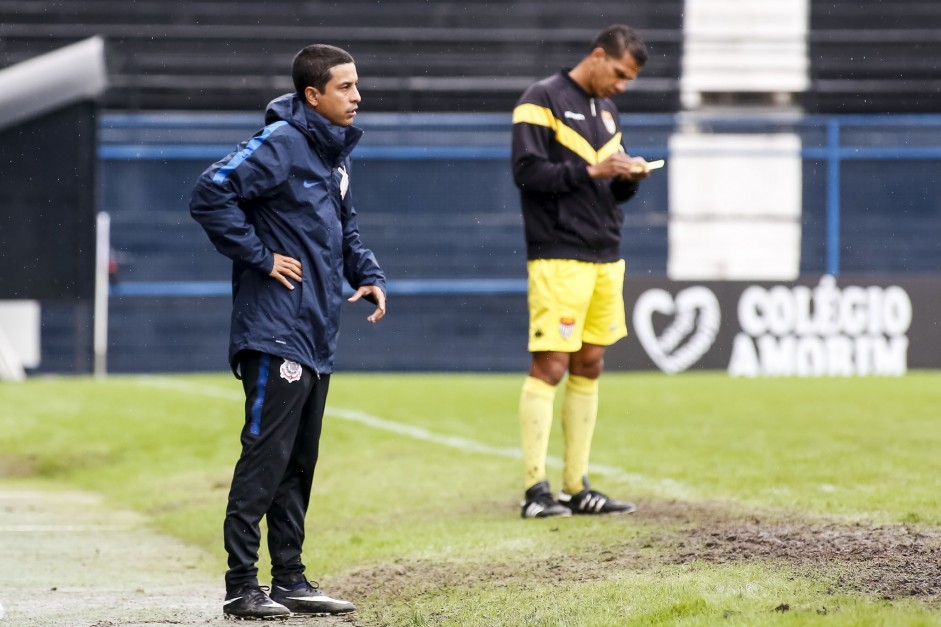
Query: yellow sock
(536,403)
(579,414)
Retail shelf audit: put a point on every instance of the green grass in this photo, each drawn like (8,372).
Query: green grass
(436,527)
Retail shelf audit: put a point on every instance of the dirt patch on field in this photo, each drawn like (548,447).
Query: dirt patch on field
(17,466)
(893,560)
(890,560)
(411,578)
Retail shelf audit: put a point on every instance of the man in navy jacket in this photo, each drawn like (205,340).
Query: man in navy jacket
(280,207)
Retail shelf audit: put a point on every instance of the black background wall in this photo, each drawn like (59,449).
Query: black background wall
(47,206)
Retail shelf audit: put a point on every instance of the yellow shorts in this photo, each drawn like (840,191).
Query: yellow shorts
(571,302)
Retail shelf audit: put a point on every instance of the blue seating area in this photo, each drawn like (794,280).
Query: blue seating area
(438,206)
(870,56)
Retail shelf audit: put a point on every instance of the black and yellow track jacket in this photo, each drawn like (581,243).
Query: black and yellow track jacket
(558,130)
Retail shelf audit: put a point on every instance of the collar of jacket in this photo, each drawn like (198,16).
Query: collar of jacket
(334,143)
(337,142)
(565,74)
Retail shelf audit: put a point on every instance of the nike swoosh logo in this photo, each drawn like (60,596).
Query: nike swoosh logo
(310,184)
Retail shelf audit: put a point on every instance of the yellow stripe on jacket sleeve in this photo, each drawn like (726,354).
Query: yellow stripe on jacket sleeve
(565,135)
(534,114)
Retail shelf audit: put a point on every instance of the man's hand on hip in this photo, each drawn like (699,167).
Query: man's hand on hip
(286,268)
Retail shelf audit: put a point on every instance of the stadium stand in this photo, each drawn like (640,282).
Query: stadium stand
(865,55)
(870,56)
(411,55)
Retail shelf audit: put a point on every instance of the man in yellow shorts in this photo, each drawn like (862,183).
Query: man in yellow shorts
(573,172)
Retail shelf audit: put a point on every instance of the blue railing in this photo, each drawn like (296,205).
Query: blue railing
(418,287)
(834,154)
(833,140)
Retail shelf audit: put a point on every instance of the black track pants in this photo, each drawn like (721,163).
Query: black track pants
(273,476)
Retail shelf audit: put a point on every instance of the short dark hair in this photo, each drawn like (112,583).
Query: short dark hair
(617,39)
(312,66)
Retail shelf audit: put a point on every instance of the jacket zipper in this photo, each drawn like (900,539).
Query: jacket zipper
(594,126)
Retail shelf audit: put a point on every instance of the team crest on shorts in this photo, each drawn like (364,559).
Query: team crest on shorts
(291,371)
(566,326)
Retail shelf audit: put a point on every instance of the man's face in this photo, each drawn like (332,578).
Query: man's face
(611,75)
(340,98)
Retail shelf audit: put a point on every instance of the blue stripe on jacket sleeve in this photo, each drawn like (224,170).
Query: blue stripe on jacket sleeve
(254,144)
(259,402)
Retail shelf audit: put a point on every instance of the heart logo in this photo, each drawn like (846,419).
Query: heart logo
(688,337)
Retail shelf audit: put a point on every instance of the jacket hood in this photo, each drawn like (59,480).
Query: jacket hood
(333,142)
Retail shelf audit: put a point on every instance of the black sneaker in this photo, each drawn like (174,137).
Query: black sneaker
(590,501)
(250,602)
(540,504)
(306,598)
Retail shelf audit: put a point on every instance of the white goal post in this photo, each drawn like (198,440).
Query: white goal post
(102,287)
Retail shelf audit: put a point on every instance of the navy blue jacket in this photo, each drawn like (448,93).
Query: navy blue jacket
(286,191)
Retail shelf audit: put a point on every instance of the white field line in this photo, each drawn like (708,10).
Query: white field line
(664,486)
(61,528)
(59,497)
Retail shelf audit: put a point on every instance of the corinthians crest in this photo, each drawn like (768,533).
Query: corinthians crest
(291,371)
